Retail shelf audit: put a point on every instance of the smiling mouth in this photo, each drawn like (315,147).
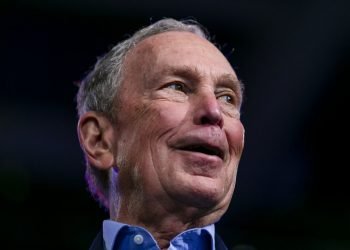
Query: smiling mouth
(204,149)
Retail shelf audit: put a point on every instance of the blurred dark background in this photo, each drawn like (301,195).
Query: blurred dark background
(293,56)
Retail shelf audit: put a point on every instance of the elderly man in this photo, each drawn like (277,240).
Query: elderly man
(159,123)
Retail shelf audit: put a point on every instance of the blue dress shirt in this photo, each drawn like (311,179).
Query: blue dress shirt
(119,236)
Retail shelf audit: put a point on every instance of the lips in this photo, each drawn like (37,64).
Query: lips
(207,142)
(204,149)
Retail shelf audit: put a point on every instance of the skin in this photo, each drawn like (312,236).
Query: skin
(178,92)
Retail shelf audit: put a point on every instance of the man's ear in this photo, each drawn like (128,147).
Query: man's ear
(96,136)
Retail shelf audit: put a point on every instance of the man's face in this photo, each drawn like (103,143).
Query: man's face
(178,129)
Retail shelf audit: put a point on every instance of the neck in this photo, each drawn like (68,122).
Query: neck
(170,220)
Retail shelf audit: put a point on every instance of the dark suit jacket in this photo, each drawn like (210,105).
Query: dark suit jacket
(98,243)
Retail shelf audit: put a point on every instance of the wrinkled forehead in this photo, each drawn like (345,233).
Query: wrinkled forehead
(176,49)
(171,37)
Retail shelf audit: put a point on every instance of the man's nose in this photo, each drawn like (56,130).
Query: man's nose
(208,110)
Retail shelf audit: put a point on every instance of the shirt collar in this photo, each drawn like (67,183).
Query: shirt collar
(112,228)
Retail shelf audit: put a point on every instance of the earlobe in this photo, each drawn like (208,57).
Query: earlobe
(96,136)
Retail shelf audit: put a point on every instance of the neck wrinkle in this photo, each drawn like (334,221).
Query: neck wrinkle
(164,225)
(164,219)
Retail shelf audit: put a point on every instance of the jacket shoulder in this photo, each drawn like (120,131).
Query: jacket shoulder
(219,243)
(98,243)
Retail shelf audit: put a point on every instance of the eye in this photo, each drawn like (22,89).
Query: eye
(227,98)
(178,86)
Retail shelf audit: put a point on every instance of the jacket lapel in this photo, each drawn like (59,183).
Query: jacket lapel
(219,244)
(98,243)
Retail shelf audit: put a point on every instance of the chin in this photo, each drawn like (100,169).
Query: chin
(204,192)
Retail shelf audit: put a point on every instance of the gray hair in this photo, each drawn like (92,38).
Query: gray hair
(99,89)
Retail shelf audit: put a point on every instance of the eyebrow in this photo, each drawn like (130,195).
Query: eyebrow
(230,81)
(186,72)
(194,74)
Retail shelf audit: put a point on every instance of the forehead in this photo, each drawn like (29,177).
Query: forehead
(169,51)
(177,48)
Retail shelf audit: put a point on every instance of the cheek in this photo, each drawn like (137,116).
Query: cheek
(141,119)
(169,115)
(151,123)
(235,136)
